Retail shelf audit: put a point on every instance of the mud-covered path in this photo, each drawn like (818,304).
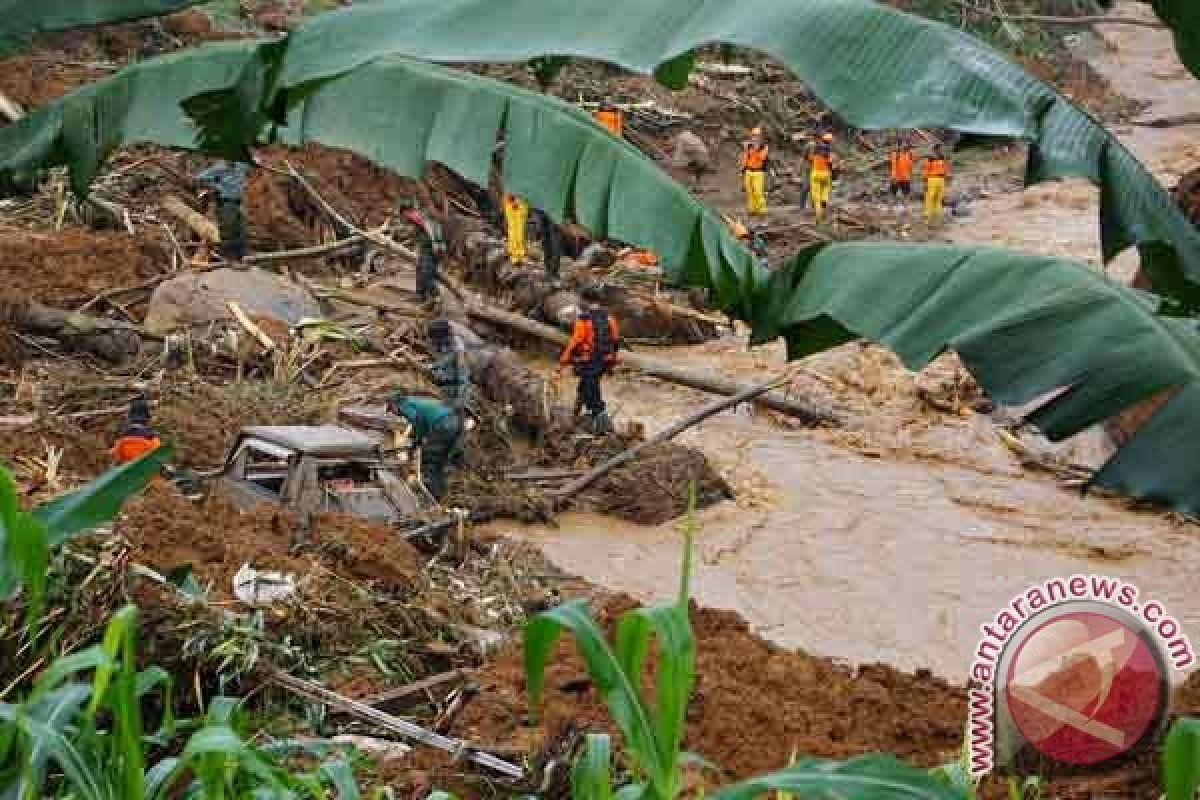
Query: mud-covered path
(894,539)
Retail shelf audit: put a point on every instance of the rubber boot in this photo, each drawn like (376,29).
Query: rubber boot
(603,425)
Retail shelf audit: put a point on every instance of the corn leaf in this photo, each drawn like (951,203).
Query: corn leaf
(877,67)
(618,688)
(20,19)
(591,775)
(1181,760)
(871,777)
(98,501)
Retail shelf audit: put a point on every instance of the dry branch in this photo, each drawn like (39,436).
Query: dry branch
(201,225)
(581,483)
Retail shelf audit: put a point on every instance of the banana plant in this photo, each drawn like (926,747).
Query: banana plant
(20,19)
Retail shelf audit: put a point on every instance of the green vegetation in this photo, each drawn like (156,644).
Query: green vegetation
(71,736)
(652,727)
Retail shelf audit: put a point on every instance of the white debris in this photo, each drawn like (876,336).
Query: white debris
(257,588)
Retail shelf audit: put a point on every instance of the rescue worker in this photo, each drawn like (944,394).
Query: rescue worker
(552,244)
(900,168)
(228,181)
(611,118)
(450,372)
(431,248)
(137,438)
(755,159)
(753,239)
(936,171)
(592,352)
(516,214)
(436,431)
(820,177)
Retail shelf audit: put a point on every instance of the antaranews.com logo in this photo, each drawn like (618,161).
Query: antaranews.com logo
(1073,673)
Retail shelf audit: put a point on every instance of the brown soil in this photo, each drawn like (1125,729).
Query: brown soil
(68,268)
(167,530)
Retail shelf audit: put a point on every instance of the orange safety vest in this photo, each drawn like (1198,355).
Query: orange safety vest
(583,339)
(902,164)
(754,158)
(613,120)
(936,168)
(822,159)
(131,448)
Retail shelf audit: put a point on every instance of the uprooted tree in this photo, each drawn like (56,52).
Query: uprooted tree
(1027,327)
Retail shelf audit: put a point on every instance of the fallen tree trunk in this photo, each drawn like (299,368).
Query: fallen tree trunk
(806,412)
(503,379)
(109,339)
(585,480)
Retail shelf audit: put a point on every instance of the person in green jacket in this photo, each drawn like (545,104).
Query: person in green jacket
(436,431)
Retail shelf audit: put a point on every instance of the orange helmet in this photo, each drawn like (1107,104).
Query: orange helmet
(827,137)
(739,230)
(756,131)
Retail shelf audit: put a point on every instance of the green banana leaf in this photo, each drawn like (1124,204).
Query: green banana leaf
(20,19)
(871,777)
(1183,18)
(139,104)
(1181,759)
(877,67)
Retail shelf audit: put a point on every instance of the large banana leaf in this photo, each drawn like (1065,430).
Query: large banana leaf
(138,104)
(20,19)
(1183,18)
(1045,325)
(876,66)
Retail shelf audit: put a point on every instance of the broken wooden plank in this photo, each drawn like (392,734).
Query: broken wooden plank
(201,225)
(390,696)
(457,747)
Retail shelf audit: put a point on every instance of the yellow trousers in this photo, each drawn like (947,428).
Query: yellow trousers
(756,191)
(935,190)
(820,186)
(516,216)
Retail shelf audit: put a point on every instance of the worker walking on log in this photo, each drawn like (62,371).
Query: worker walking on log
(431,248)
(900,169)
(228,181)
(936,172)
(516,215)
(433,429)
(137,438)
(592,351)
(611,118)
(820,177)
(755,159)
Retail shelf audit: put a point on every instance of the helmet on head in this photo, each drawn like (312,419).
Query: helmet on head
(139,410)
(438,330)
(593,293)
(740,231)
(827,137)
(756,132)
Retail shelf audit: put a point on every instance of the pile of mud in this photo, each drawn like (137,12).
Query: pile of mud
(755,706)
(70,267)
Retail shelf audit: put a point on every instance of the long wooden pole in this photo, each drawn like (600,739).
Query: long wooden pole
(657,368)
(581,483)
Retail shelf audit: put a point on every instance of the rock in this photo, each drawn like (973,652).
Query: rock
(691,152)
(201,297)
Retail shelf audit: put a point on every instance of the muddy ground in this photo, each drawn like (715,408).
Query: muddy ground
(840,590)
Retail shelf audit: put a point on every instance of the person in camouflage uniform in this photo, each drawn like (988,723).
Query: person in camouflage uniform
(552,245)
(431,248)
(228,180)
(436,432)
(450,371)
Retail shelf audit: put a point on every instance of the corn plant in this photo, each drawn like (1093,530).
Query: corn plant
(652,727)
(84,738)
(1181,760)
